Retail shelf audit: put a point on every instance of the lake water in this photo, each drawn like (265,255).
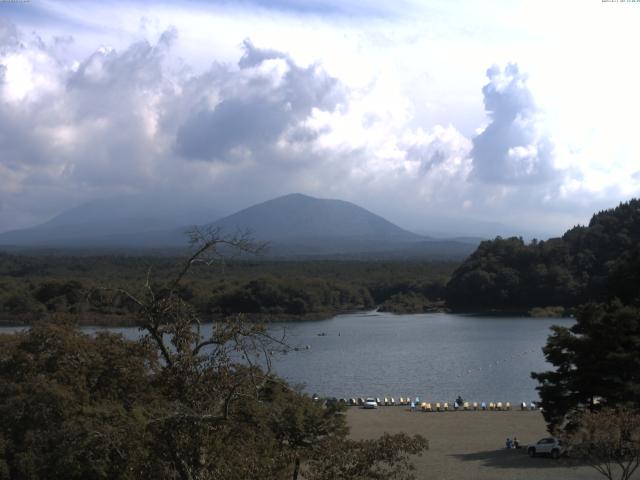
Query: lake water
(433,356)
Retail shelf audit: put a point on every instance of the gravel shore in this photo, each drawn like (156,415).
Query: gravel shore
(470,445)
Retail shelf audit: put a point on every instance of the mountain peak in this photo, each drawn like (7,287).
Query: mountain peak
(298,216)
(293,225)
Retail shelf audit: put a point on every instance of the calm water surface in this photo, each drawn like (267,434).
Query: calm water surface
(435,356)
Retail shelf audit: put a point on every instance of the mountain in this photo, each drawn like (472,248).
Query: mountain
(298,225)
(475,230)
(300,217)
(294,225)
(140,220)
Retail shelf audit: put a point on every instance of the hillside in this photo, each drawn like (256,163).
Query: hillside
(295,226)
(597,262)
(134,220)
(304,218)
(303,226)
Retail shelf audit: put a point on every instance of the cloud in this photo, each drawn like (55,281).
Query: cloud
(8,35)
(268,96)
(126,121)
(513,148)
(98,115)
(130,120)
(70,131)
(442,149)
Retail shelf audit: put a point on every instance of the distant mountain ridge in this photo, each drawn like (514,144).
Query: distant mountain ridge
(302,217)
(114,222)
(294,225)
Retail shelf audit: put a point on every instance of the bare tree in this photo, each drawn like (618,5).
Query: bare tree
(609,440)
(204,375)
(228,417)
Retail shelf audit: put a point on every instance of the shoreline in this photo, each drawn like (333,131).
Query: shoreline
(121,321)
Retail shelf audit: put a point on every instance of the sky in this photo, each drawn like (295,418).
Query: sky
(523,113)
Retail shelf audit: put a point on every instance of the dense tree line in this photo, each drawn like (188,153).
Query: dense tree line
(598,262)
(35,288)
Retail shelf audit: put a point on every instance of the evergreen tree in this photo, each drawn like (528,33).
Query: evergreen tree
(597,363)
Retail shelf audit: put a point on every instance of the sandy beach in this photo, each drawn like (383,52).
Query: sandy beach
(470,445)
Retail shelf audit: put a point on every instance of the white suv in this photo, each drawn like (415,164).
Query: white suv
(548,446)
(370,403)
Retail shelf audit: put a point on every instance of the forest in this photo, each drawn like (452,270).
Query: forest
(85,289)
(597,262)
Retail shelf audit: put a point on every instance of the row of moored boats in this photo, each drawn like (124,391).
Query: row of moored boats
(434,406)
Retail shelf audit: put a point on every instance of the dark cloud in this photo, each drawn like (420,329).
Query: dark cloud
(139,66)
(429,155)
(210,134)
(8,35)
(20,144)
(441,153)
(267,104)
(511,149)
(253,56)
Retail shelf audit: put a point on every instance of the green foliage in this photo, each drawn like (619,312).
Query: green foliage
(72,406)
(597,363)
(37,288)
(301,296)
(410,302)
(594,263)
(546,312)
(176,404)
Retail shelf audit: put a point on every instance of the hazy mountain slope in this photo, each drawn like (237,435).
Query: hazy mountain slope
(293,225)
(142,220)
(307,219)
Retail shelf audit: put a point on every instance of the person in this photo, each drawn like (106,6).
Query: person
(413,406)
(516,443)
(509,443)
(459,402)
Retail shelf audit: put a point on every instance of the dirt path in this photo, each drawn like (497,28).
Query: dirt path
(470,445)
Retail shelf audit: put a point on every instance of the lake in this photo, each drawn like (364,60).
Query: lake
(435,356)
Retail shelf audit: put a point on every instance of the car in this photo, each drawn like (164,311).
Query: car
(370,402)
(548,446)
